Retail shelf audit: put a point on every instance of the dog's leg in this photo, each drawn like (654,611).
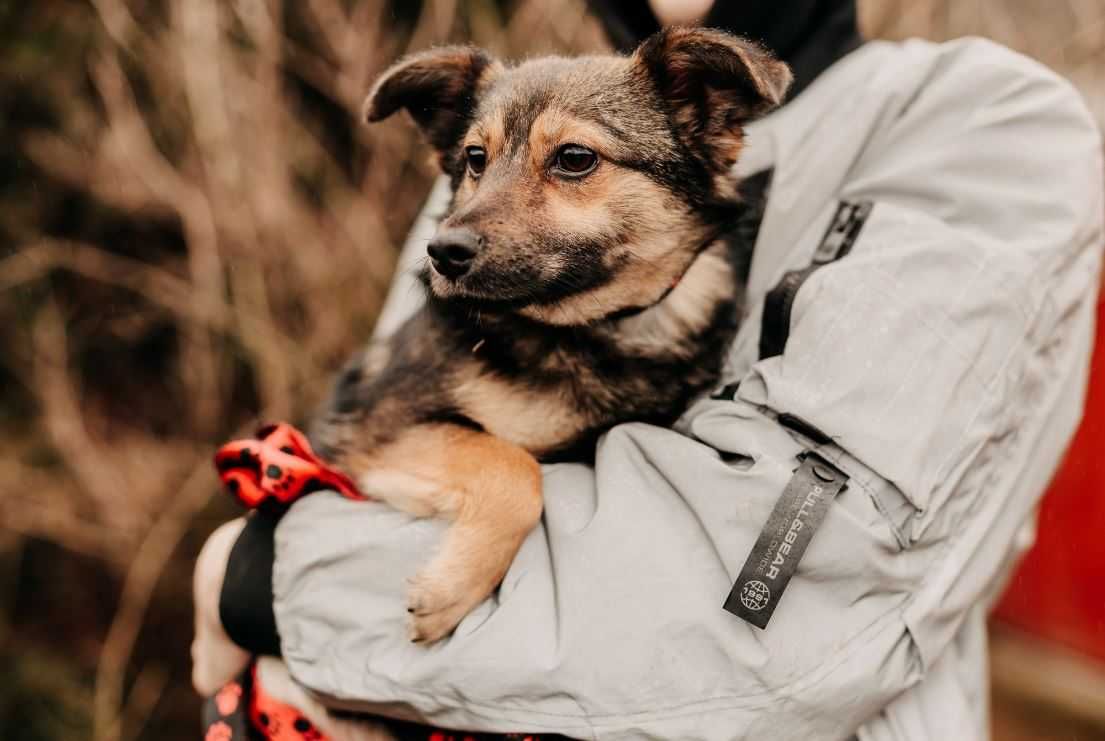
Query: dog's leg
(488,487)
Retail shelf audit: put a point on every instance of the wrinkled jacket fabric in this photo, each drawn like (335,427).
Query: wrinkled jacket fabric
(946,356)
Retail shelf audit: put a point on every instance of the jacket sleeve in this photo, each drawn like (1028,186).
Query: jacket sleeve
(945,357)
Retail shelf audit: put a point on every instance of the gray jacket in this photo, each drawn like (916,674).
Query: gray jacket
(946,356)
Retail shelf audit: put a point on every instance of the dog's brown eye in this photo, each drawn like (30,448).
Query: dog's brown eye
(477,160)
(572,159)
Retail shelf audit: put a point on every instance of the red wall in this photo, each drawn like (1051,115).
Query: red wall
(1058,592)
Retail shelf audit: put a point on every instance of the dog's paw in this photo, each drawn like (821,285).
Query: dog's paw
(437,605)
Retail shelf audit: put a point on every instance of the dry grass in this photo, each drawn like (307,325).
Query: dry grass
(193,115)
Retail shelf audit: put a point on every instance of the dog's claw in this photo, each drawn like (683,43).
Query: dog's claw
(436,607)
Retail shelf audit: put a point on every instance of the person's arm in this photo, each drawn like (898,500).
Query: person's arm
(946,356)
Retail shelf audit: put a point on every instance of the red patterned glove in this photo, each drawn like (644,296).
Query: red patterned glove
(278,467)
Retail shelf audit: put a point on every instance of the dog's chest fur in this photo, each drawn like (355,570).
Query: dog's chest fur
(549,389)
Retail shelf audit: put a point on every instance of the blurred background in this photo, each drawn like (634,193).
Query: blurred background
(195,231)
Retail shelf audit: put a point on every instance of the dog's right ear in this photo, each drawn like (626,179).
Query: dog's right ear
(713,83)
(438,88)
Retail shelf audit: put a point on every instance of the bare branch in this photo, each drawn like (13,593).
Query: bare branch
(146,568)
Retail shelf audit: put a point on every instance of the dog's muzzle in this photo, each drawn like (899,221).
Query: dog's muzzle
(453,250)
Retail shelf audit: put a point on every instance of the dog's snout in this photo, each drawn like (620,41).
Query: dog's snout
(452,251)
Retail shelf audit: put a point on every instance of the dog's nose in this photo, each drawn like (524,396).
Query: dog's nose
(452,251)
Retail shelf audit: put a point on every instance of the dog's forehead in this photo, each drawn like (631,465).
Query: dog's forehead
(605,90)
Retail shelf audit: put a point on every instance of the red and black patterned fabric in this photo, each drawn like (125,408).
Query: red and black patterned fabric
(243,711)
(277,467)
(225,716)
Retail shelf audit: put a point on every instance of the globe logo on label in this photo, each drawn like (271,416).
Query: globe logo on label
(754,595)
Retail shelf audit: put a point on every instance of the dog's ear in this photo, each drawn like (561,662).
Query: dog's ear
(438,88)
(712,82)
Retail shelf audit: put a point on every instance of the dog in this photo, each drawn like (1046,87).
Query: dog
(588,272)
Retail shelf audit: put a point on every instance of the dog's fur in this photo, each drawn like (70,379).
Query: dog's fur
(591,300)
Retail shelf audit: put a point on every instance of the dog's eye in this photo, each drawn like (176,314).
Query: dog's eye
(574,160)
(477,160)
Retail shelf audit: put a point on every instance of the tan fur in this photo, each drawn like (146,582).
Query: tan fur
(554,127)
(488,487)
(685,310)
(536,421)
(489,134)
(650,263)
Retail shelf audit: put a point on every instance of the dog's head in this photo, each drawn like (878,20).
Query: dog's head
(582,187)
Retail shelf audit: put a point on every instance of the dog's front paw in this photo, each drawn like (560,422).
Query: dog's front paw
(437,601)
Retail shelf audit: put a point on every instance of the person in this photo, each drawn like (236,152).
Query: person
(937,359)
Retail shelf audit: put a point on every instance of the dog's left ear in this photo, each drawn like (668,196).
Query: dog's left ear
(438,88)
(712,82)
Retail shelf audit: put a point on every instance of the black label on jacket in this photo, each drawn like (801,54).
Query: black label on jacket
(783,540)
